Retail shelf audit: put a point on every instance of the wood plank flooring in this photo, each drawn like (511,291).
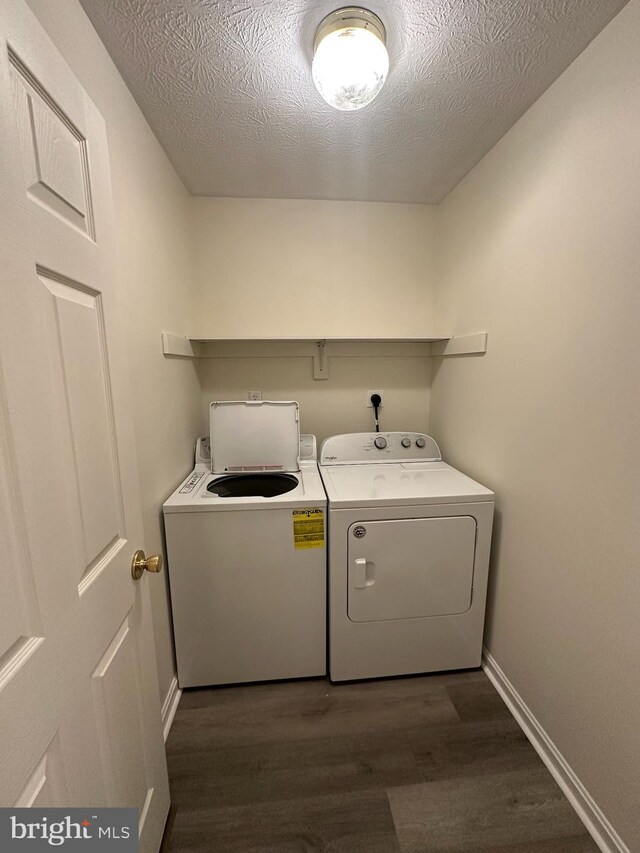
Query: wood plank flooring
(412,765)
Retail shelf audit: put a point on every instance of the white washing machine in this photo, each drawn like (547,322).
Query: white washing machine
(246,550)
(409,541)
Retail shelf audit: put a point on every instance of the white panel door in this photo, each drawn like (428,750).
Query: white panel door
(411,567)
(78,693)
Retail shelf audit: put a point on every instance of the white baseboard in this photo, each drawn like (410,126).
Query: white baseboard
(170,706)
(585,806)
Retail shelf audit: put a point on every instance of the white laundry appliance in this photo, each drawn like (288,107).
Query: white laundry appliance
(246,550)
(409,541)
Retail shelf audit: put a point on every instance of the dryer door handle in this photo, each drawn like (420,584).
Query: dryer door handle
(362,573)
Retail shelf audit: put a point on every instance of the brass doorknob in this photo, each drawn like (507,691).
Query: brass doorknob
(139,563)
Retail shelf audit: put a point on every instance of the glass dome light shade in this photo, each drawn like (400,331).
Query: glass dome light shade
(350,62)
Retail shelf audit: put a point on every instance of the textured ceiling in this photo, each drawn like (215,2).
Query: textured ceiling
(226,87)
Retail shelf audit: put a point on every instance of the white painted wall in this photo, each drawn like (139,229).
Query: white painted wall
(540,246)
(324,268)
(318,268)
(154,284)
(337,404)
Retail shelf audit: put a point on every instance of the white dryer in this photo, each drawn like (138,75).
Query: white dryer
(246,550)
(409,542)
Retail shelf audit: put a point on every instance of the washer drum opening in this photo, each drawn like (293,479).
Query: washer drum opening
(253,485)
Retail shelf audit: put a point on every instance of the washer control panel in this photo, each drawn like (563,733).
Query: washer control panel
(191,483)
(367,447)
(203,451)
(308,447)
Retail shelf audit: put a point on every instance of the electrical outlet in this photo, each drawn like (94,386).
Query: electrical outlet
(369,403)
(254,395)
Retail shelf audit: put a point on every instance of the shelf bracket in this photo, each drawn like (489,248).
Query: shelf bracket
(461,345)
(321,361)
(175,345)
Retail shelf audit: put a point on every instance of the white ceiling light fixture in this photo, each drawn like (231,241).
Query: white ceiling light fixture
(350,59)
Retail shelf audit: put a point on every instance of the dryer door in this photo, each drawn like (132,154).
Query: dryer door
(407,568)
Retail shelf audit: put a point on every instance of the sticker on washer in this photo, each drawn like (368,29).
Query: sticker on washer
(308,528)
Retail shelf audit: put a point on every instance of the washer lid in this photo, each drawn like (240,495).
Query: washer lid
(260,435)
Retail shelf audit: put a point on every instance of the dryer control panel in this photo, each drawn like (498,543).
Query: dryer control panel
(365,448)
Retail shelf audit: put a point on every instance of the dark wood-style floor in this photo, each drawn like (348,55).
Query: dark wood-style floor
(433,763)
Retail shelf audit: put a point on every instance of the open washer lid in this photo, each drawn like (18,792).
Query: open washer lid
(260,435)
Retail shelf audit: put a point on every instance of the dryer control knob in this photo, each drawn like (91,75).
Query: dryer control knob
(406,442)
(380,442)
(420,442)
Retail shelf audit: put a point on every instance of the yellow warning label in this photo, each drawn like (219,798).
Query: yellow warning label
(308,528)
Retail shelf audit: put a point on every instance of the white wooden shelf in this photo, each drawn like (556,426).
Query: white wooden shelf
(315,338)
(320,348)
